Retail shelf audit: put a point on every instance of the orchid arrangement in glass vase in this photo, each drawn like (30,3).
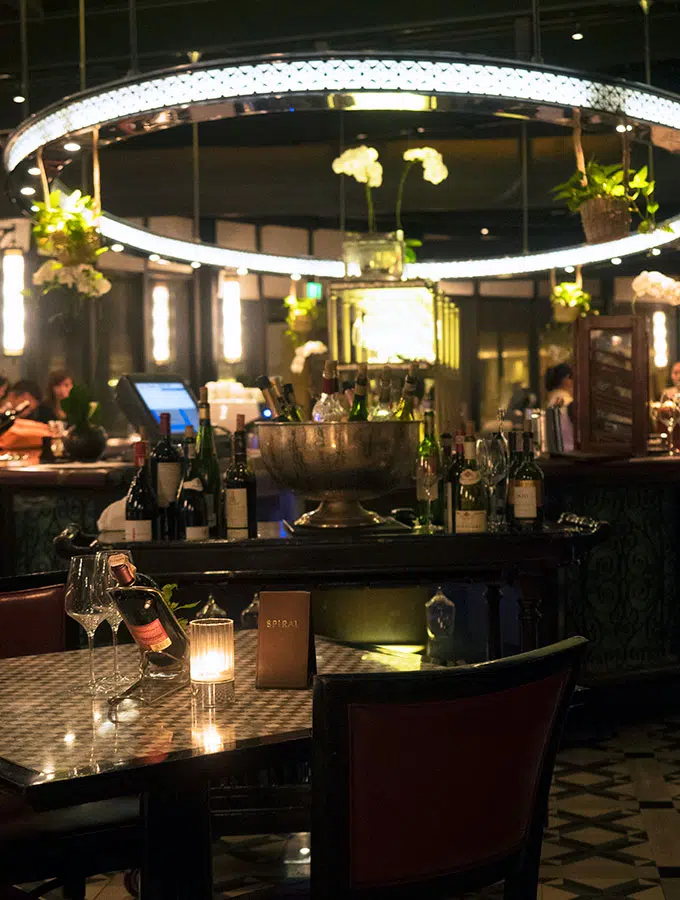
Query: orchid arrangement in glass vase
(362,164)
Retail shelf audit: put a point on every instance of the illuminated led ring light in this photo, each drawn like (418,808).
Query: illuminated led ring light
(372,82)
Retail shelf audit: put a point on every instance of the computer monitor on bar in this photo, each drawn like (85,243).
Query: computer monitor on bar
(143,398)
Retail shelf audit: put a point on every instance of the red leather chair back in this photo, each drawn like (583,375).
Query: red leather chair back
(428,776)
(32,621)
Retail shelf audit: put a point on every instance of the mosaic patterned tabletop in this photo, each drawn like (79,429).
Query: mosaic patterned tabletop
(51,735)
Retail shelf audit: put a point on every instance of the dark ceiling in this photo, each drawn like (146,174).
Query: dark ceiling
(277,168)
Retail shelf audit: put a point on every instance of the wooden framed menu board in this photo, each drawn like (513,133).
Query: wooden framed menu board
(612,385)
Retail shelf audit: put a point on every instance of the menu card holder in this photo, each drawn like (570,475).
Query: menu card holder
(286,656)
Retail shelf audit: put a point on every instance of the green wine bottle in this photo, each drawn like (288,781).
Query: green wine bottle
(359,410)
(527,502)
(429,446)
(208,464)
(471,495)
(404,410)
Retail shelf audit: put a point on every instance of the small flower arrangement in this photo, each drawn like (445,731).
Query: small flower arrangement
(655,287)
(310,348)
(66,230)
(361,163)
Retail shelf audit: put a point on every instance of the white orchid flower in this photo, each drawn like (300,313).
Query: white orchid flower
(434,169)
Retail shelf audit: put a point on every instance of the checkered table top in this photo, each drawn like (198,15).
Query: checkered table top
(52,736)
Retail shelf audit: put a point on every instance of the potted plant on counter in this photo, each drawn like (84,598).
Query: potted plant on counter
(85,440)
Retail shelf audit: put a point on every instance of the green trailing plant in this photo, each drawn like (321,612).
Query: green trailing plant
(175,607)
(609,181)
(80,408)
(571,295)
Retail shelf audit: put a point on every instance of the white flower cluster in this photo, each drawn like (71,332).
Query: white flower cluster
(311,348)
(655,287)
(83,278)
(360,163)
(434,169)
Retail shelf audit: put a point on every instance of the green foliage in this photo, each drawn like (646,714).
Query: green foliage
(80,409)
(410,255)
(571,295)
(168,591)
(298,308)
(608,181)
(66,227)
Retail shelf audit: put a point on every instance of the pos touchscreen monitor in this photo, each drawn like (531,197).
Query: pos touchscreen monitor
(144,397)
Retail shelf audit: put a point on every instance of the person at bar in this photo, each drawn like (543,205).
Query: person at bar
(559,387)
(27,391)
(59,385)
(673,386)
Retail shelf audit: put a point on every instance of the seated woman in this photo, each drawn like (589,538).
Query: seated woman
(59,385)
(673,388)
(28,391)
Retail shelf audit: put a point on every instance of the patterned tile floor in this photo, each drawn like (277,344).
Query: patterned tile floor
(613,831)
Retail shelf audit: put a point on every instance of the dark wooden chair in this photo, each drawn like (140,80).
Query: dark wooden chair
(65,845)
(431,784)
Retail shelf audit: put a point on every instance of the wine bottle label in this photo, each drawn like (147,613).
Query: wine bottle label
(150,637)
(470,521)
(421,488)
(168,477)
(196,533)
(237,510)
(526,499)
(469,476)
(138,530)
(194,484)
(210,506)
(449,507)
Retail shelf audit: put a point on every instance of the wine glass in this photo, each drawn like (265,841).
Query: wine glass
(493,459)
(103,580)
(80,605)
(668,414)
(428,475)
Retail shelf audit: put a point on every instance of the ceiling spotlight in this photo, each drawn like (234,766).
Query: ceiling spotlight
(242,270)
(154,257)
(295,276)
(629,127)
(569,269)
(656,251)
(19,98)
(616,260)
(620,128)
(27,191)
(577,36)
(420,130)
(34,208)
(484,231)
(34,170)
(117,248)
(195,265)
(71,146)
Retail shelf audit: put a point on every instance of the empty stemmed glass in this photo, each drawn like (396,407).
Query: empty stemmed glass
(428,475)
(493,460)
(80,605)
(103,580)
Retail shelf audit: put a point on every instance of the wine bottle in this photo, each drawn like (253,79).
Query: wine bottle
(428,446)
(383,408)
(359,410)
(166,470)
(404,410)
(271,399)
(293,411)
(328,407)
(208,464)
(527,493)
(471,494)
(151,623)
(440,620)
(141,521)
(240,490)
(515,449)
(191,503)
(451,484)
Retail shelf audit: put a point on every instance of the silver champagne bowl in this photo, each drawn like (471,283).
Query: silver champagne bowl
(340,464)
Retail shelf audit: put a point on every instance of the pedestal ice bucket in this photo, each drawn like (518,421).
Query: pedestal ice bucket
(340,464)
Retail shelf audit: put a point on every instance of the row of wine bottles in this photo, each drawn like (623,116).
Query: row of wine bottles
(181,495)
(334,405)
(465,493)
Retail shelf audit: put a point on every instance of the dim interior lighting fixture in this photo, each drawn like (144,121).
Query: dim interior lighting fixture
(19,98)
(154,257)
(660,339)
(195,265)
(232,328)
(295,276)
(375,80)
(621,128)
(117,248)
(242,270)
(27,191)
(13,282)
(34,170)
(577,36)
(71,146)
(569,269)
(616,260)
(655,251)
(160,323)
(484,231)
(34,208)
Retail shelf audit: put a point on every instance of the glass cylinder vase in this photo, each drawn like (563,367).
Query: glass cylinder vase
(212,661)
(374,256)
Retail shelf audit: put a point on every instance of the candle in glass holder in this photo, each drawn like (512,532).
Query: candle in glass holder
(212,660)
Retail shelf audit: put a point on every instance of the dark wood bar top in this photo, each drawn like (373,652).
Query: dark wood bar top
(656,468)
(29,473)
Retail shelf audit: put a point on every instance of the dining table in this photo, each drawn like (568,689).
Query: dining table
(60,747)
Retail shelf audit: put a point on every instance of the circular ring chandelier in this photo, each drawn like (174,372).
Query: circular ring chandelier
(427,82)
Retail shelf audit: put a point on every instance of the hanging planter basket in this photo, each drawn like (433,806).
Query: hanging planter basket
(605,219)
